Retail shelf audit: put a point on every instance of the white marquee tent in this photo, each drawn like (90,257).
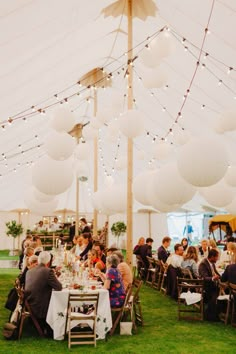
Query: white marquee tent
(184,97)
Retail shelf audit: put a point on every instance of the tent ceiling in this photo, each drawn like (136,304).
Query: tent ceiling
(47,46)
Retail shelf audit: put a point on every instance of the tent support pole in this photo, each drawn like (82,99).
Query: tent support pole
(130,141)
(95,166)
(77,207)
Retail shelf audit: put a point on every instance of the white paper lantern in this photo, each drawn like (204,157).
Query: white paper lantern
(161,151)
(181,136)
(203,161)
(113,127)
(41,197)
(63,119)
(89,133)
(104,115)
(170,187)
(163,207)
(140,187)
(37,207)
(218,195)
(154,78)
(231,208)
(227,122)
(59,146)
(230,176)
(114,198)
(132,123)
(52,177)
(82,151)
(160,47)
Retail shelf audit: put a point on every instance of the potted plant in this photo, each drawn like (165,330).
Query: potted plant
(14,230)
(118,229)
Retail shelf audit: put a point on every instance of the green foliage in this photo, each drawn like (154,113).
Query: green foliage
(118,228)
(14,229)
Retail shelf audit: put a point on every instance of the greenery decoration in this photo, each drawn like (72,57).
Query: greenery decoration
(118,229)
(14,230)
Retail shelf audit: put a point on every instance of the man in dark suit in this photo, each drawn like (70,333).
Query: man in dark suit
(72,232)
(229,274)
(143,252)
(207,271)
(162,251)
(39,283)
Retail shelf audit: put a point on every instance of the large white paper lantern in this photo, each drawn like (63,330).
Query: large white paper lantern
(180,136)
(161,150)
(231,208)
(170,187)
(42,197)
(59,146)
(82,151)
(203,161)
(82,170)
(158,48)
(52,177)
(140,187)
(89,133)
(163,207)
(132,123)
(63,119)
(218,195)
(154,78)
(115,198)
(230,176)
(37,207)
(227,122)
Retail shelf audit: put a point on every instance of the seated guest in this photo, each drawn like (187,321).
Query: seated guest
(39,282)
(25,243)
(38,244)
(190,261)
(100,249)
(124,269)
(176,259)
(79,245)
(110,250)
(227,256)
(162,252)
(84,227)
(141,242)
(212,245)
(203,249)
(207,271)
(114,283)
(87,244)
(94,261)
(229,274)
(29,251)
(32,262)
(184,243)
(144,252)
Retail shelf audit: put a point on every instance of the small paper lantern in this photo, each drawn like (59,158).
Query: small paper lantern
(154,78)
(41,197)
(230,176)
(63,120)
(231,208)
(114,198)
(161,151)
(227,122)
(52,177)
(218,195)
(203,161)
(132,123)
(59,146)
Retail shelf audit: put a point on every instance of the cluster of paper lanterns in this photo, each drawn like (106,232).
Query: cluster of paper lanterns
(53,173)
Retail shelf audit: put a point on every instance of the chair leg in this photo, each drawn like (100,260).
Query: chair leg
(21,326)
(115,323)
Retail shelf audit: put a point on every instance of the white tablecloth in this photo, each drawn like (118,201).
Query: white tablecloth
(56,316)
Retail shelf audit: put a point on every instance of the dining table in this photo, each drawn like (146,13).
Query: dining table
(57,312)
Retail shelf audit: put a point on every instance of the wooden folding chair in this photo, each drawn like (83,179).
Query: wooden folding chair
(190,287)
(118,312)
(85,332)
(26,312)
(151,271)
(223,297)
(164,269)
(140,267)
(158,275)
(186,273)
(138,316)
(232,288)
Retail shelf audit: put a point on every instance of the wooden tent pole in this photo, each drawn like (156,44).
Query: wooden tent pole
(77,207)
(95,159)
(130,141)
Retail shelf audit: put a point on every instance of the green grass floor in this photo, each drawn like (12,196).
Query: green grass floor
(162,332)
(4,255)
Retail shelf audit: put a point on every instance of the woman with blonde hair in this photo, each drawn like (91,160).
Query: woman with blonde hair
(190,261)
(141,242)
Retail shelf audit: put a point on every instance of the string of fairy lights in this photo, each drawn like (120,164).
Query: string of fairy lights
(123,68)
